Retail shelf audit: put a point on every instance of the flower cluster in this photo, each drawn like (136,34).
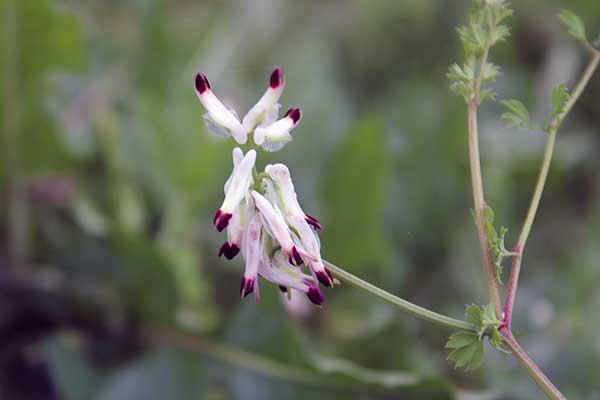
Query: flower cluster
(269,132)
(261,213)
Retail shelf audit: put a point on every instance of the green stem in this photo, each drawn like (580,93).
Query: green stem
(396,301)
(539,187)
(477,185)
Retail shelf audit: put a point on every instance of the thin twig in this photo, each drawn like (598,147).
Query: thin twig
(396,301)
(539,188)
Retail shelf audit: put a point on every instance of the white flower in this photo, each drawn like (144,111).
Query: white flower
(277,227)
(260,121)
(283,274)
(274,136)
(267,106)
(239,184)
(219,118)
(252,256)
(284,194)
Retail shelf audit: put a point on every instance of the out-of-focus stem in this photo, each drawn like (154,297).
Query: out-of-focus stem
(397,302)
(539,187)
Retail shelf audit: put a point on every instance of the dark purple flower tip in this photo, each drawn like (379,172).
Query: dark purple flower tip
(201,83)
(221,220)
(276,79)
(315,295)
(229,250)
(325,277)
(314,222)
(295,114)
(283,289)
(246,287)
(294,257)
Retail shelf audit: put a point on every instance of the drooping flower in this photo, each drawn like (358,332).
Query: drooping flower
(261,121)
(278,228)
(252,256)
(283,274)
(284,194)
(238,187)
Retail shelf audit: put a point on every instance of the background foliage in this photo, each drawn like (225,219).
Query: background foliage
(109,283)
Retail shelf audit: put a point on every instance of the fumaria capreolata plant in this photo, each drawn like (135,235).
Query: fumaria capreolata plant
(279,242)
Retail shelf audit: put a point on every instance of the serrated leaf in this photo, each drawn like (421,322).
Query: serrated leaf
(473,315)
(559,97)
(461,339)
(574,24)
(490,72)
(476,357)
(517,108)
(500,34)
(485,95)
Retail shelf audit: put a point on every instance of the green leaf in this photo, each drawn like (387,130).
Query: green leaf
(500,34)
(473,315)
(559,97)
(573,24)
(490,72)
(469,356)
(517,116)
(461,339)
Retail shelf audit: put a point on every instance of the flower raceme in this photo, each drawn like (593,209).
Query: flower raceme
(261,121)
(261,213)
(266,224)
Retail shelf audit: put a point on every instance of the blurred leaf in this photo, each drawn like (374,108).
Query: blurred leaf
(74,376)
(518,117)
(573,24)
(355,187)
(153,377)
(42,40)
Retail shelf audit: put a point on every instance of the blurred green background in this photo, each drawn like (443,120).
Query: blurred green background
(110,287)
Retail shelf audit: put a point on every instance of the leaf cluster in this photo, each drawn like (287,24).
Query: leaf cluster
(483,31)
(467,347)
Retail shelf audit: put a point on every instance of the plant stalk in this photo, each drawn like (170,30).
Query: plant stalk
(480,205)
(397,302)
(539,187)
(530,366)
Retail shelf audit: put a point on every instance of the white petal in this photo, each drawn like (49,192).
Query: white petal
(274,136)
(237,156)
(267,103)
(275,221)
(241,180)
(252,247)
(220,116)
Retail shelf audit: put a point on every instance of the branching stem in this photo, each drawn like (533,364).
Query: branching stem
(539,187)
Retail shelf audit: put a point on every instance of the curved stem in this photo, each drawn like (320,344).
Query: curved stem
(532,369)
(396,301)
(539,187)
